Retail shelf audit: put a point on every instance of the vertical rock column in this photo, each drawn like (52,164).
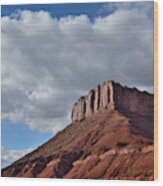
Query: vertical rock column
(74,115)
(90,98)
(104,95)
(97,99)
(79,109)
(111,95)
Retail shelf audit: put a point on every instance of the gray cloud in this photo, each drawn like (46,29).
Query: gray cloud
(8,156)
(48,63)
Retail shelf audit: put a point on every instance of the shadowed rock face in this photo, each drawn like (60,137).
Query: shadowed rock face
(110,134)
(111,95)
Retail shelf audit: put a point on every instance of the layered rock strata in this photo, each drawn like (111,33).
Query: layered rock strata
(111,95)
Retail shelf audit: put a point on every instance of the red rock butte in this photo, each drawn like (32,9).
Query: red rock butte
(110,137)
(113,96)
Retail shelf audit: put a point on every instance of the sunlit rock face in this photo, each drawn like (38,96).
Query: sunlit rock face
(111,132)
(110,95)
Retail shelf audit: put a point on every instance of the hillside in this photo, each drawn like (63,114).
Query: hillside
(110,137)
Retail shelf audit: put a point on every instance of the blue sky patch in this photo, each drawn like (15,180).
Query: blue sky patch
(92,10)
(19,136)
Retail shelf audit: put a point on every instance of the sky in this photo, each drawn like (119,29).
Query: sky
(53,54)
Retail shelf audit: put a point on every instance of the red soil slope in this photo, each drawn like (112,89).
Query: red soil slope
(110,144)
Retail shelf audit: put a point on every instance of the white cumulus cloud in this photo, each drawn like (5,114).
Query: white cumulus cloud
(9,156)
(47,63)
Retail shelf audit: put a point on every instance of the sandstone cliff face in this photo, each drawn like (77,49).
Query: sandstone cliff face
(111,95)
(110,134)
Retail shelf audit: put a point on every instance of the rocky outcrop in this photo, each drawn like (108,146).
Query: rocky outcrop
(112,135)
(65,163)
(111,95)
